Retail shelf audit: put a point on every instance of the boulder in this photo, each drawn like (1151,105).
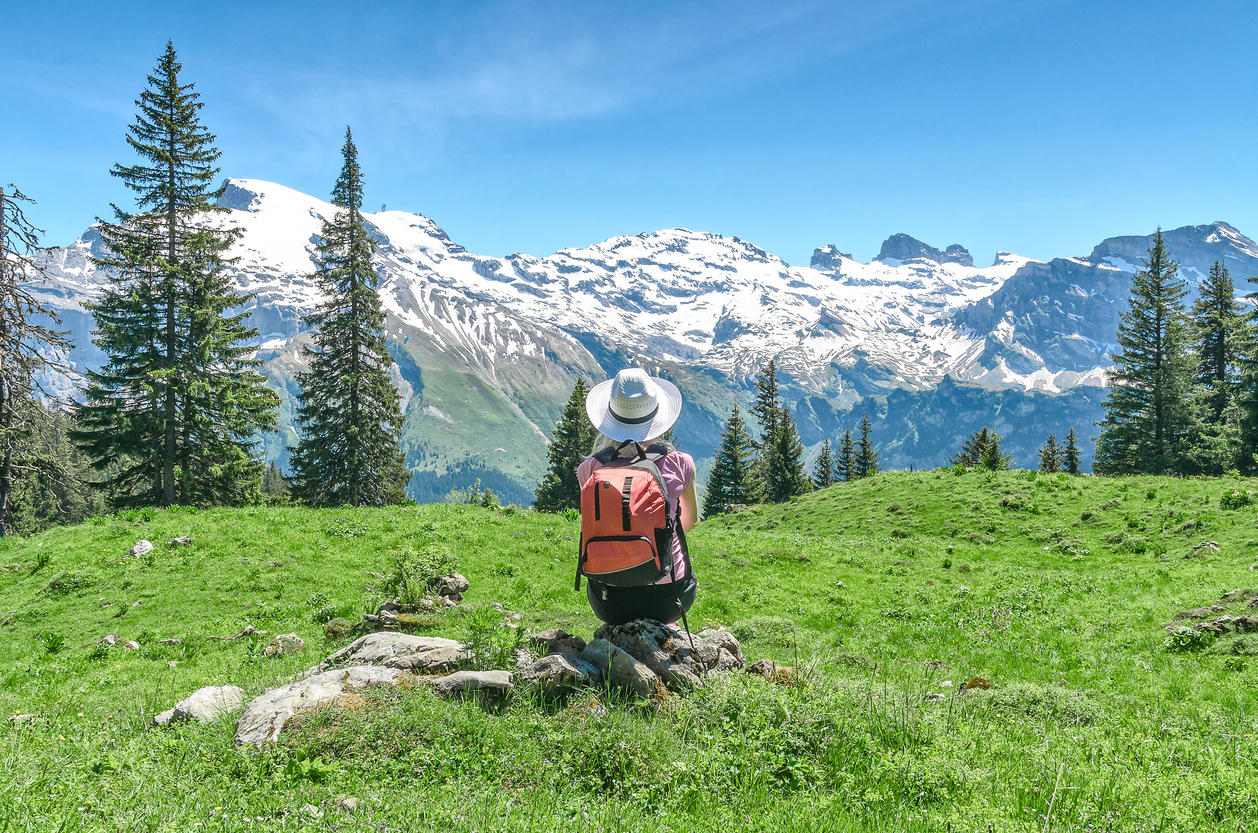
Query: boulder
(557,673)
(677,658)
(109,639)
(558,641)
(399,650)
(205,705)
(452,584)
(141,547)
(491,684)
(285,643)
(266,716)
(181,541)
(131,645)
(621,670)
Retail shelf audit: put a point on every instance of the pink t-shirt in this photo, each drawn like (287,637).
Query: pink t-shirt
(678,471)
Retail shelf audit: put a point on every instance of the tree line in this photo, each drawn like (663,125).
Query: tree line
(175,414)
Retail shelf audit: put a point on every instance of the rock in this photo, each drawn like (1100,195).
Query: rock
(285,643)
(449,585)
(492,684)
(141,547)
(349,804)
(182,540)
(205,705)
(935,698)
(390,606)
(762,668)
(671,655)
(266,716)
(424,654)
(556,673)
(338,627)
(621,670)
(558,641)
(131,645)
(109,639)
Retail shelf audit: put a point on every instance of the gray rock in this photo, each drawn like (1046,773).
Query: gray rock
(109,639)
(556,673)
(621,670)
(450,585)
(493,684)
(181,541)
(349,804)
(558,641)
(205,705)
(141,547)
(285,643)
(431,653)
(131,645)
(672,655)
(266,716)
(762,668)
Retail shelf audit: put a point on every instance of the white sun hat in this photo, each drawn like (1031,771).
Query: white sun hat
(633,406)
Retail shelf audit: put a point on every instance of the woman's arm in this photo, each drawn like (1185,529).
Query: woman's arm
(689,506)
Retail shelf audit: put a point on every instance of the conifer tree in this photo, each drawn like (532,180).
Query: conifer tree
(845,460)
(768,405)
(1218,332)
(823,467)
(731,479)
(1070,457)
(1148,413)
(993,458)
(1050,455)
(972,451)
(866,464)
(173,415)
(784,475)
(348,415)
(27,348)
(574,438)
(273,481)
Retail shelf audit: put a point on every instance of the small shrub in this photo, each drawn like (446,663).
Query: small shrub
(1184,638)
(1245,645)
(1015,502)
(1236,499)
(53,643)
(413,571)
(491,641)
(66,584)
(41,561)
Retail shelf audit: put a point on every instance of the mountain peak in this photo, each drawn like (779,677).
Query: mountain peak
(828,258)
(902,247)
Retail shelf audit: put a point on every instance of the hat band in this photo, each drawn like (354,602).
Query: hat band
(633,420)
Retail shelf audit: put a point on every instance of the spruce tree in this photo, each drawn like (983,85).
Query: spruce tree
(173,415)
(866,458)
(1050,455)
(348,412)
(574,438)
(1148,413)
(784,475)
(845,460)
(1218,330)
(993,458)
(768,405)
(27,349)
(731,480)
(1070,457)
(823,467)
(972,451)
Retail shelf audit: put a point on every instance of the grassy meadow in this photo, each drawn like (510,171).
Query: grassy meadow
(886,594)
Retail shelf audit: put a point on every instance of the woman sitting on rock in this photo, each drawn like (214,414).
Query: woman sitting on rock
(631,413)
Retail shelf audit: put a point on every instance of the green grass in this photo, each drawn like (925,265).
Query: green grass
(1055,589)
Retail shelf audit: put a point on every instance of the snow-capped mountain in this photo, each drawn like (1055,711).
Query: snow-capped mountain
(488,347)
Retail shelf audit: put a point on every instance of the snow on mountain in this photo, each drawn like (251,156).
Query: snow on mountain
(698,298)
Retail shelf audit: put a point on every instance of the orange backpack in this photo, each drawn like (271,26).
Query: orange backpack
(627,526)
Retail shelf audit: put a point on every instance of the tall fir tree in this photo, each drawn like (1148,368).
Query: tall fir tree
(784,474)
(993,458)
(173,415)
(1219,331)
(27,349)
(972,451)
(574,439)
(731,480)
(823,467)
(768,405)
(845,460)
(348,413)
(866,457)
(1149,415)
(1071,460)
(1050,455)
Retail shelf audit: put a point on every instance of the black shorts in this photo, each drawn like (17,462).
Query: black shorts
(661,602)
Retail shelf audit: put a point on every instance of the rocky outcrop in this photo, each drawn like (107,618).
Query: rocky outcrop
(901,247)
(559,673)
(205,705)
(493,685)
(418,654)
(676,658)
(267,715)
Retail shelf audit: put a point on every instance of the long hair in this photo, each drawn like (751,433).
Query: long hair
(603,442)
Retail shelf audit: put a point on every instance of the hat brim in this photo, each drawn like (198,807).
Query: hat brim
(668,408)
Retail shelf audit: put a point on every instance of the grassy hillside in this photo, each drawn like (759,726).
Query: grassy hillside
(883,592)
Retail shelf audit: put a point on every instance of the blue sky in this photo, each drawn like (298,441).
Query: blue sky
(1034,127)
